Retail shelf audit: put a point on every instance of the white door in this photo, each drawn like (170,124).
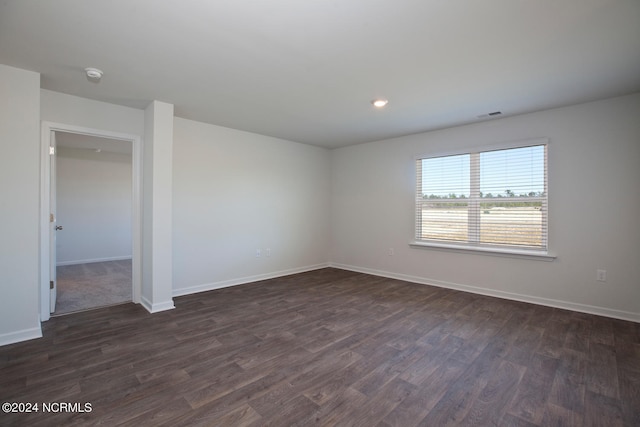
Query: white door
(53,224)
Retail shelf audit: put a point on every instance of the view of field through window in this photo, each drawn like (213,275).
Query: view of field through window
(492,198)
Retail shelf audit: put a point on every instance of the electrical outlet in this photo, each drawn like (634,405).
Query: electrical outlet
(267,252)
(601,275)
(258,253)
(391,252)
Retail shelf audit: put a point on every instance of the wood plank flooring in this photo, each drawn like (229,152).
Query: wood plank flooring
(329,347)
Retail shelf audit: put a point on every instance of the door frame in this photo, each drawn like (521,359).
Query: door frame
(45,197)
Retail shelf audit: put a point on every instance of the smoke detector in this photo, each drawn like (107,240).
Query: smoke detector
(93,73)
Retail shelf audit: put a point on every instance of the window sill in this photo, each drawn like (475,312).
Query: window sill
(505,252)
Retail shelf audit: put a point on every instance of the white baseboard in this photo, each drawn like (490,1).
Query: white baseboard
(19,336)
(243,280)
(156,307)
(88,261)
(567,305)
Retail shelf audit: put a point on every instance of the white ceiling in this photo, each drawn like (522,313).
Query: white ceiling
(306,70)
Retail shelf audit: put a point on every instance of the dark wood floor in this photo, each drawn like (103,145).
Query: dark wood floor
(330,347)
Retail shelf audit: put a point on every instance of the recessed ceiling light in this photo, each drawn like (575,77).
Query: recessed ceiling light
(93,73)
(379,103)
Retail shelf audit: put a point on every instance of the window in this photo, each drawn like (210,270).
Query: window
(484,199)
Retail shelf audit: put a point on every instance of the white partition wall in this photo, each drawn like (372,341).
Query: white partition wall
(246,207)
(157,276)
(19,215)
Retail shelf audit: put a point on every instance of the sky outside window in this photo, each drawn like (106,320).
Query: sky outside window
(442,176)
(516,171)
(519,170)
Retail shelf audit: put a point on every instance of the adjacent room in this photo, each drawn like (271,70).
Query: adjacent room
(409,213)
(93,210)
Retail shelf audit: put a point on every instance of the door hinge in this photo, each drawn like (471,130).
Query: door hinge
(52,151)
(50,284)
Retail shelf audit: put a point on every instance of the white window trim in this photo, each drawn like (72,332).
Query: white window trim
(506,252)
(533,254)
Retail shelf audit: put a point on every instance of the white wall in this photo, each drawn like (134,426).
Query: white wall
(73,110)
(94,206)
(594,174)
(235,192)
(19,197)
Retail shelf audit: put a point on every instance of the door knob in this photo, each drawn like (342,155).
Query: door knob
(58,227)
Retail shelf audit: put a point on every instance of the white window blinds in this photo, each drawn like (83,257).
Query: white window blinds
(484,198)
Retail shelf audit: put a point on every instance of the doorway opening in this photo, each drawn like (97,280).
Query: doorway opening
(91,219)
(93,177)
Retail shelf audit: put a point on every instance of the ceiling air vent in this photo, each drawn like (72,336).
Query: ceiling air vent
(486,116)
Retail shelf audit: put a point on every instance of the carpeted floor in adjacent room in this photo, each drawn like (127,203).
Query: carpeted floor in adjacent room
(96,284)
